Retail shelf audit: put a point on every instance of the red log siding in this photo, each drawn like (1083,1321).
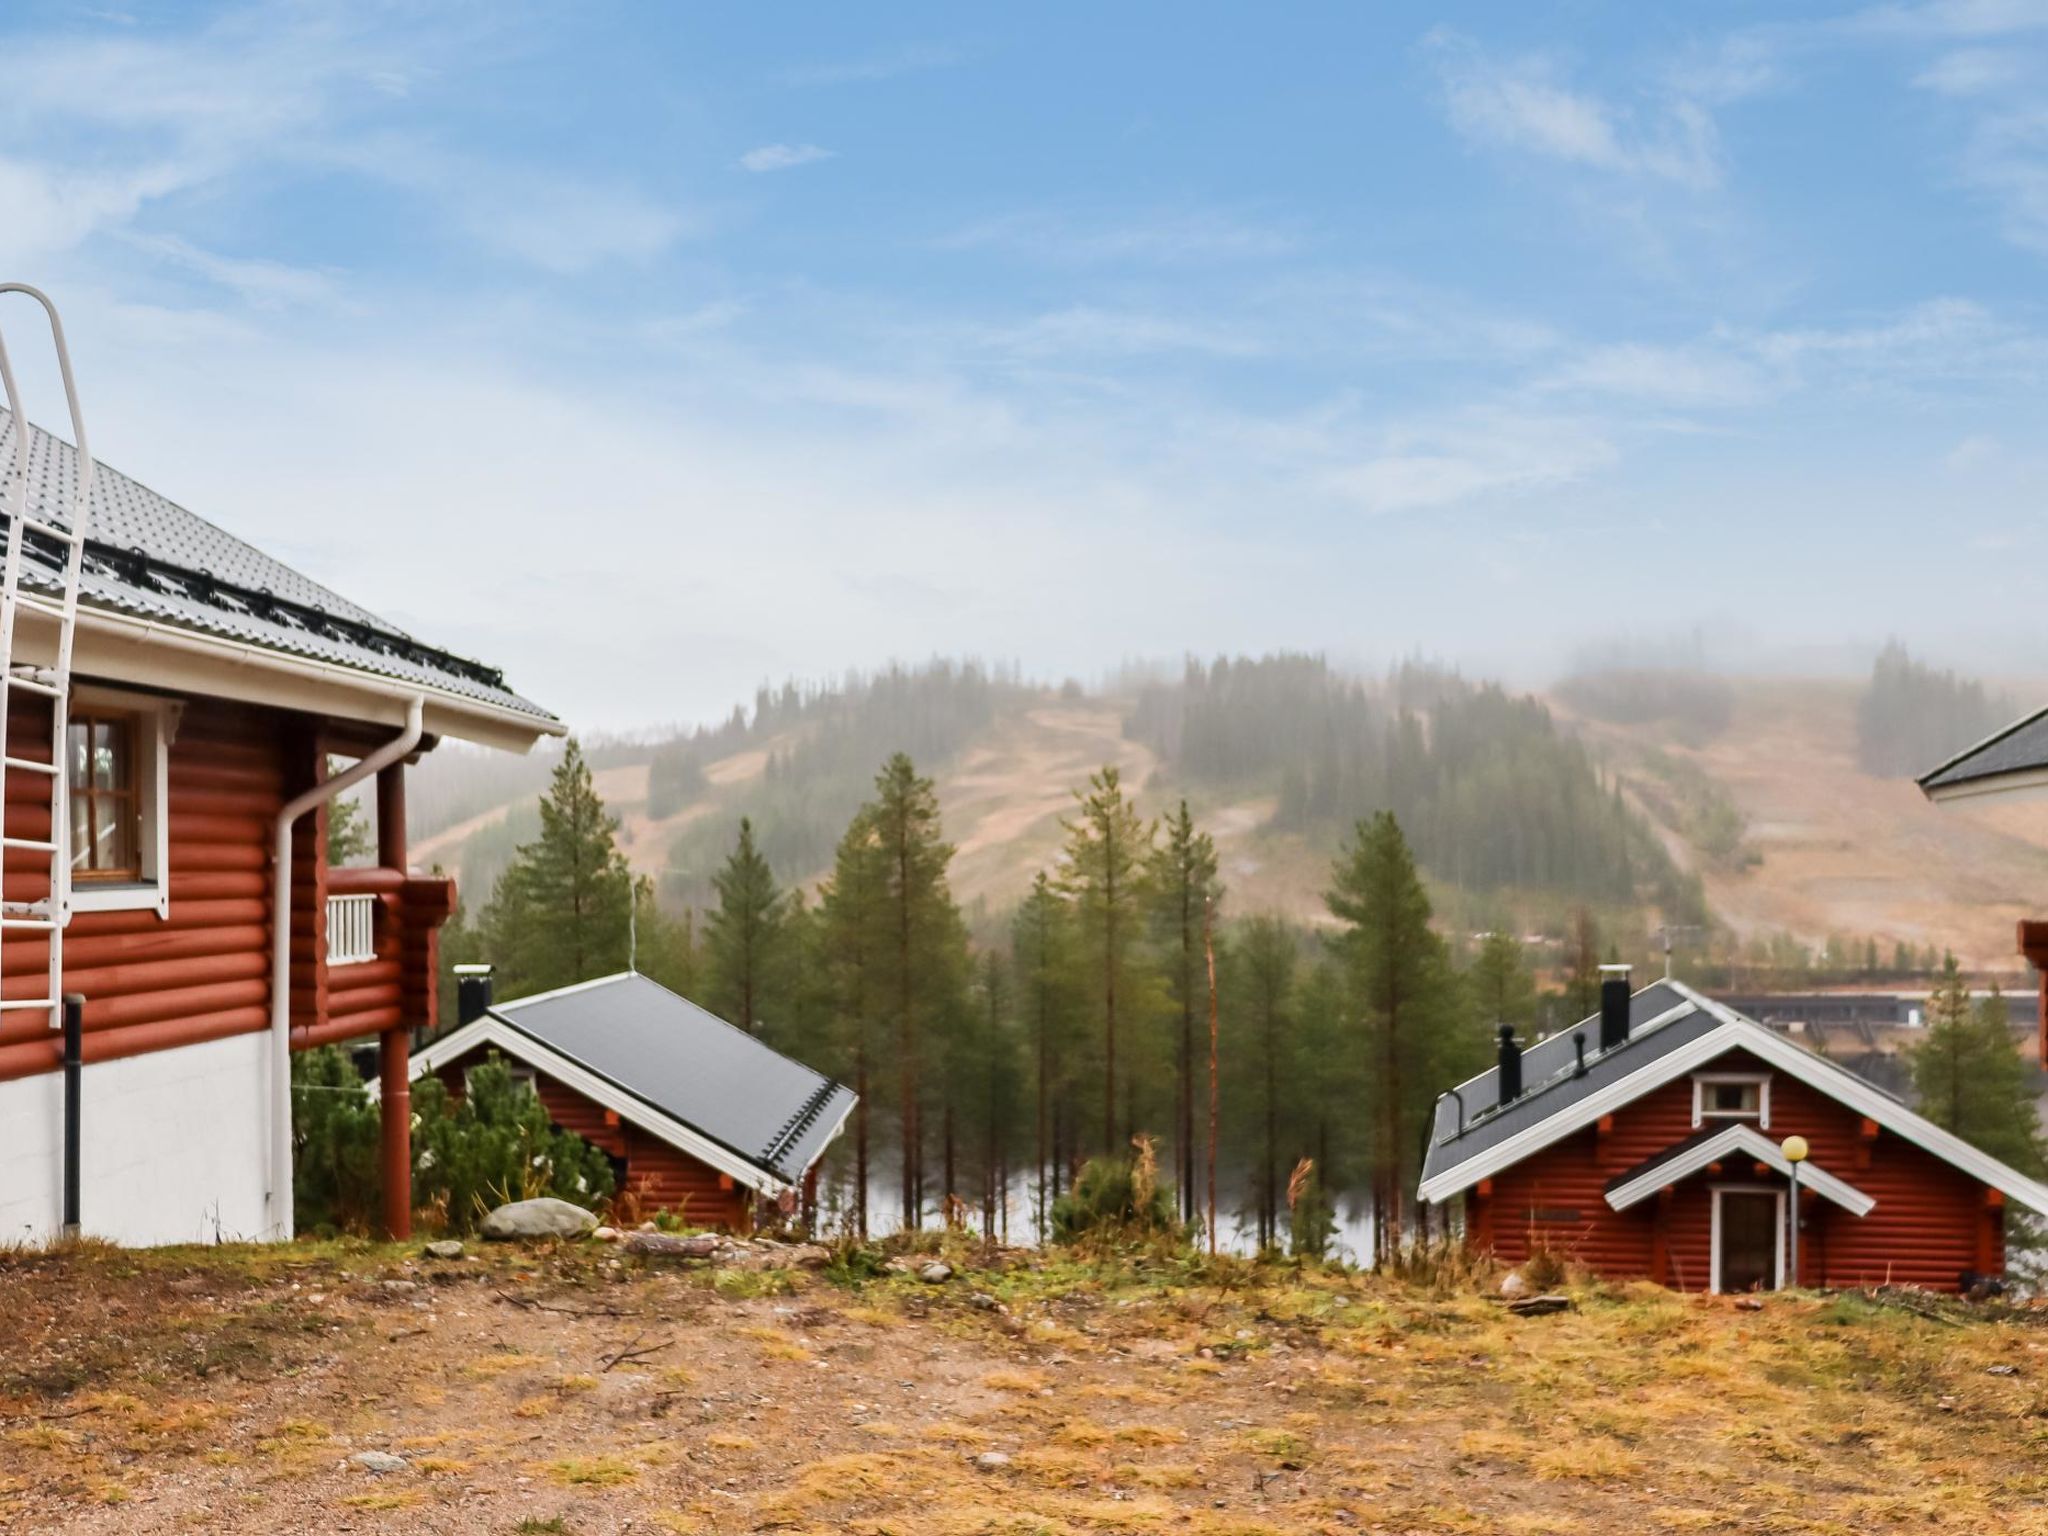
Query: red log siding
(203,973)
(663,1178)
(1931,1221)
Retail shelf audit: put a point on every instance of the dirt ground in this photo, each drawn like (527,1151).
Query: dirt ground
(230,1389)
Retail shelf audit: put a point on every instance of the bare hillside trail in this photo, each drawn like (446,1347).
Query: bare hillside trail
(1844,852)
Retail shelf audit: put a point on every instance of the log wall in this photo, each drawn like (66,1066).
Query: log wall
(203,973)
(1931,1222)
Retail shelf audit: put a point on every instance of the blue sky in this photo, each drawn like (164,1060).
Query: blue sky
(749,341)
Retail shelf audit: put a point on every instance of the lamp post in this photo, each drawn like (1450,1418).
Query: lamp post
(1795,1150)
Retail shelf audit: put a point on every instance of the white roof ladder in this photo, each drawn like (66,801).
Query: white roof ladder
(46,679)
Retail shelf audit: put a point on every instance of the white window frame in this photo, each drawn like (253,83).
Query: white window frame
(156,728)
(1701,1114)
(1714,1233)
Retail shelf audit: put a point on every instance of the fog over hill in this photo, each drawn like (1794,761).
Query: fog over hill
(1770,811)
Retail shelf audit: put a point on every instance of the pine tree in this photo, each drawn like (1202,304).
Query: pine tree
(1970,1080)
(1042,947)
(1107,848)
(1182,877)
(1582,967)
(1267,957)
(1406,995)
(1499,983)
(852,936)
(924,958)
(744,936)
(558,915)
(665,946)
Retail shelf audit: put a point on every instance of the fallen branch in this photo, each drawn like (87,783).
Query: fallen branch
(531,1305)
(661,1245)
(632,1353)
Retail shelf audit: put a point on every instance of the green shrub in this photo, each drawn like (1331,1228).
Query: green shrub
(1114,1198)
(337,1179)
(1311,1220)
(493,1145)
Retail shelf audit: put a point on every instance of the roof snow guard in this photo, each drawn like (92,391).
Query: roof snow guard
(148,557)
(1673,1031)
(2015,758)
(661,1063)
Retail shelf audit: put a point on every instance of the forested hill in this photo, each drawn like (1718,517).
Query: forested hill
(1279,755)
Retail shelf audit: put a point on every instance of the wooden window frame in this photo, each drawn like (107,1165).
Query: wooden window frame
(130,796)
(1702,1111)
(147,889)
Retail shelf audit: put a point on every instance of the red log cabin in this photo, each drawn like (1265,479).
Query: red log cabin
(179,711)
(1646,1144)
(699,1118)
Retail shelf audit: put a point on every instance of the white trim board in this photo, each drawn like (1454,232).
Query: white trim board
(1739,1032)
(1701,1114)
(1746,1141)
(1750,1191)
(514,1042)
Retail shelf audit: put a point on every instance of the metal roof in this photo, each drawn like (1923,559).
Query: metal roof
(665,1051)
(1468,1120)
(2018,751)
(149,557)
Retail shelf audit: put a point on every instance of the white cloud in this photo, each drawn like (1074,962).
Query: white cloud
(259,283)
(782,157)
(1973,72)
(1161,237)
(1520,105)
(1434,465)
(887,64)
(1683,376)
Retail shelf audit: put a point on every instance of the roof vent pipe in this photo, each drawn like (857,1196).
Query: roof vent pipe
(1613,1006)
(1510,1073)
(472,993)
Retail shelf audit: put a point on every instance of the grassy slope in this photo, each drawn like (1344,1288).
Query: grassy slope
(224,1389)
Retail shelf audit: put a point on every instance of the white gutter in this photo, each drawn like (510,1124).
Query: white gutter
(395,750)
(454,714)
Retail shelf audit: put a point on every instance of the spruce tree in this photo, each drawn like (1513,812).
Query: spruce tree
(1970,1080)
(1500,985)
(1267,956)
(558,915)
(1582,967)
(923,973)
(744,935)
(1108,845)
(852,935)
(1182,877)
(1405,994)
(1048,990)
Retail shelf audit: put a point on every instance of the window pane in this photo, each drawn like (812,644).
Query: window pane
(77,733)
(81,822)
(110,754)
(114,828)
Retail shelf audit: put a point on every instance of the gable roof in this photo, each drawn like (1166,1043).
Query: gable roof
(148,558)
(1673,1030)
(1710,1144)
(2012,759)
(667,1066)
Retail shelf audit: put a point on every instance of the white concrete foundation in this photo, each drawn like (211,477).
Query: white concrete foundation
(172,1149)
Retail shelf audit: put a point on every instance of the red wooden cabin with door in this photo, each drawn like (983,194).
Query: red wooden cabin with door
(1648,1144)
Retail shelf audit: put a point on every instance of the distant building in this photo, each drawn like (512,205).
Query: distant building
(698,1117)
(1646,1144)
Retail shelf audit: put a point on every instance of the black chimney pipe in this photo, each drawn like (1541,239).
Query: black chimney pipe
(1510,1073)
(74,1074)
(1613,1006)
(472,993)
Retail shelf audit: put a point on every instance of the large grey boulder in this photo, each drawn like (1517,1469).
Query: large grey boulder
(546,1217)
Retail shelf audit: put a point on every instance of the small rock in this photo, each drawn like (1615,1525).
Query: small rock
(1513,1285)
(1749,1304)
(936,1273)
(984,1301)
(605,1234)
(446,1248)
(545,1217)
(380,1462)
(991,1461)
(2001,1370)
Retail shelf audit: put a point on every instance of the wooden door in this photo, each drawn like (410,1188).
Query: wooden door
(1748,1240)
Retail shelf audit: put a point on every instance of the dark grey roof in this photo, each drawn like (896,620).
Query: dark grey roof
(149,557)
(1670,1154)
(692,1066)
(1551,1081)
(2019,748)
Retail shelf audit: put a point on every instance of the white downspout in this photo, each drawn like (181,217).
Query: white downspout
(399,747)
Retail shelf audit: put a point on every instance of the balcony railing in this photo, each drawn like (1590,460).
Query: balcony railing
(351,930)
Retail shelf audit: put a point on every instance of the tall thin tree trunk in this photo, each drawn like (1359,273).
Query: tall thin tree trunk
(1109,997)
(913,1149)
(1215,1086)
(1044,1151)
(1185,1131)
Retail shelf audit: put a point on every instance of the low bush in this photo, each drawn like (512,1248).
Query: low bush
(1119,1199)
